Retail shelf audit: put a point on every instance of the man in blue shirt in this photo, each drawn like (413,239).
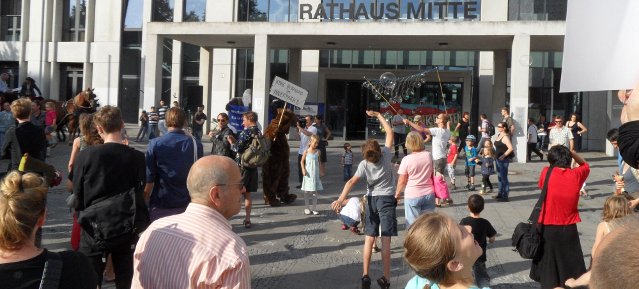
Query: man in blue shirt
(168,161)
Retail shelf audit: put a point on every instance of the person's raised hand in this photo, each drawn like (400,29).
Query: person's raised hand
(372,113)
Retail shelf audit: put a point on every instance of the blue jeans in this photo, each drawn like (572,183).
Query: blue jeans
(414,207)
(482,279)
(502,177)
(348,172)
(153,128)
(348,221)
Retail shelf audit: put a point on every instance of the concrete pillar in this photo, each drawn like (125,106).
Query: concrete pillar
(310,75)
(261,77)
(519,77)
(152,72)
(89,38)
(613,112)
(486,79)
(56,37)
(25,23)
(205,81)
(295,66)
(221,79)
(176,72)
(500,79)
(106,64)
(37,47)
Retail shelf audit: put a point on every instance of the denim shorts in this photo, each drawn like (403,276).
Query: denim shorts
(348,221)
(470,171)
(414,207)
(380,211)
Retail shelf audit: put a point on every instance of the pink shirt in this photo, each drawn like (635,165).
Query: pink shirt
(419,168)
(195,249)
(49,118)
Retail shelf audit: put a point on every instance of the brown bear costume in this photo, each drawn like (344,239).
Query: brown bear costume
(276,170)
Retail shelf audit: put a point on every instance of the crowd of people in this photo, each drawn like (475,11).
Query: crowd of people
(134,212)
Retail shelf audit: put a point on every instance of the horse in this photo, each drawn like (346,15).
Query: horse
(84,102)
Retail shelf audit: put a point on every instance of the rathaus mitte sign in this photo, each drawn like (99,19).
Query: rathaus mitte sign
(426,10)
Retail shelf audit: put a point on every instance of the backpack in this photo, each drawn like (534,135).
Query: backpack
(221,146)
(490,129)
(257,152)
(114,221)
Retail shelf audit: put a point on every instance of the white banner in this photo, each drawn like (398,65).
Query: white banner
(310,109)
(288,92)
(601,45)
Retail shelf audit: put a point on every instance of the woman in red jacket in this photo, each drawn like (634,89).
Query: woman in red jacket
(561,257)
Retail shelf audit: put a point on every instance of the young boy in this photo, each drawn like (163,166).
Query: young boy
(471,161)
(347,162)
(482,230)
(450,159)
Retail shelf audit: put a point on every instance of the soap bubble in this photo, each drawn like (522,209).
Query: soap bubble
(388,80)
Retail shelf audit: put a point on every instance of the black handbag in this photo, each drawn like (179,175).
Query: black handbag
(527,237)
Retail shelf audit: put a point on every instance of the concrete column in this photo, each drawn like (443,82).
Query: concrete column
(310,75)
(37,47)
(176,72)
(205,81)
(295,66)
(106,40)
(89,37)
(221,79)
(519,77)
(486,79)
(261,77)
(500,79)
(613,112)
(152,77)
(56,36)
(25,23)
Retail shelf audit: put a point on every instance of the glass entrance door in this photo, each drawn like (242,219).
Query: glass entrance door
(346,103)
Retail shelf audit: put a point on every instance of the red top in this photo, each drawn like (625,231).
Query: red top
(452,151)
(560,207)
(49,118)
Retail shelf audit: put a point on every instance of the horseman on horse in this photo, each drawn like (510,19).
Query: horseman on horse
(83,102)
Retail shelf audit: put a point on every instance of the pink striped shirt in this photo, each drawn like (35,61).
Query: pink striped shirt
(195,249)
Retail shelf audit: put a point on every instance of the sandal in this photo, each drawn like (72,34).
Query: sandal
(247,224)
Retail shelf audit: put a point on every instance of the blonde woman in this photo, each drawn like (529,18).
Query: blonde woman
(22,213)
(441,252)
(415,179)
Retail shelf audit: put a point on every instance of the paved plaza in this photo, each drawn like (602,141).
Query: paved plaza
(290,250)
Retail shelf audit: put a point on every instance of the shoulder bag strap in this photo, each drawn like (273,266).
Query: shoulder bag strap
(52,271)
(194,149)
(534,216)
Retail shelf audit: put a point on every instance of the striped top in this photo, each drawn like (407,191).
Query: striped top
(162,112)
(195,249)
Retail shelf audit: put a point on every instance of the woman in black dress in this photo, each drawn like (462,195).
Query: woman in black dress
(577,128)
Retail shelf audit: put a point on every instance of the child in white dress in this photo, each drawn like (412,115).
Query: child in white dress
(311,182)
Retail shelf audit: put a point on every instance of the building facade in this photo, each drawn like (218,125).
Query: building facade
(478,56)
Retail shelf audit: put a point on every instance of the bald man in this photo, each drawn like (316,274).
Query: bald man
(616,265)
(198,249)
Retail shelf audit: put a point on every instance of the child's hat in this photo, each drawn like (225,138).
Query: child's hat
(471,138)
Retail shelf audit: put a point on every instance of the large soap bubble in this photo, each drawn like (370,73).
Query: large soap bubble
(388,80)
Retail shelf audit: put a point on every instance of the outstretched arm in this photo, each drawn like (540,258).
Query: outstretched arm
(338,204)
(387,128)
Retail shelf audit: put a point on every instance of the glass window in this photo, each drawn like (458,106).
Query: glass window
(278,11)
(194,11)
(341,58)
(74,20)
(258,10)
(167,57)
(10,11)
(537,9)
(133,14)
(190,60)
(162,11)
(363,58)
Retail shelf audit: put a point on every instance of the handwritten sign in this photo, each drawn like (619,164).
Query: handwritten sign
(288,92)
(310,109)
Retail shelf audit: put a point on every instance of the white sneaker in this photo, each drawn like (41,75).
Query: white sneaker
(307,212)
(315,213)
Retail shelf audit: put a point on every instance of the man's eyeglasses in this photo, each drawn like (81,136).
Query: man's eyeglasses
(558,121)
(238,186)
